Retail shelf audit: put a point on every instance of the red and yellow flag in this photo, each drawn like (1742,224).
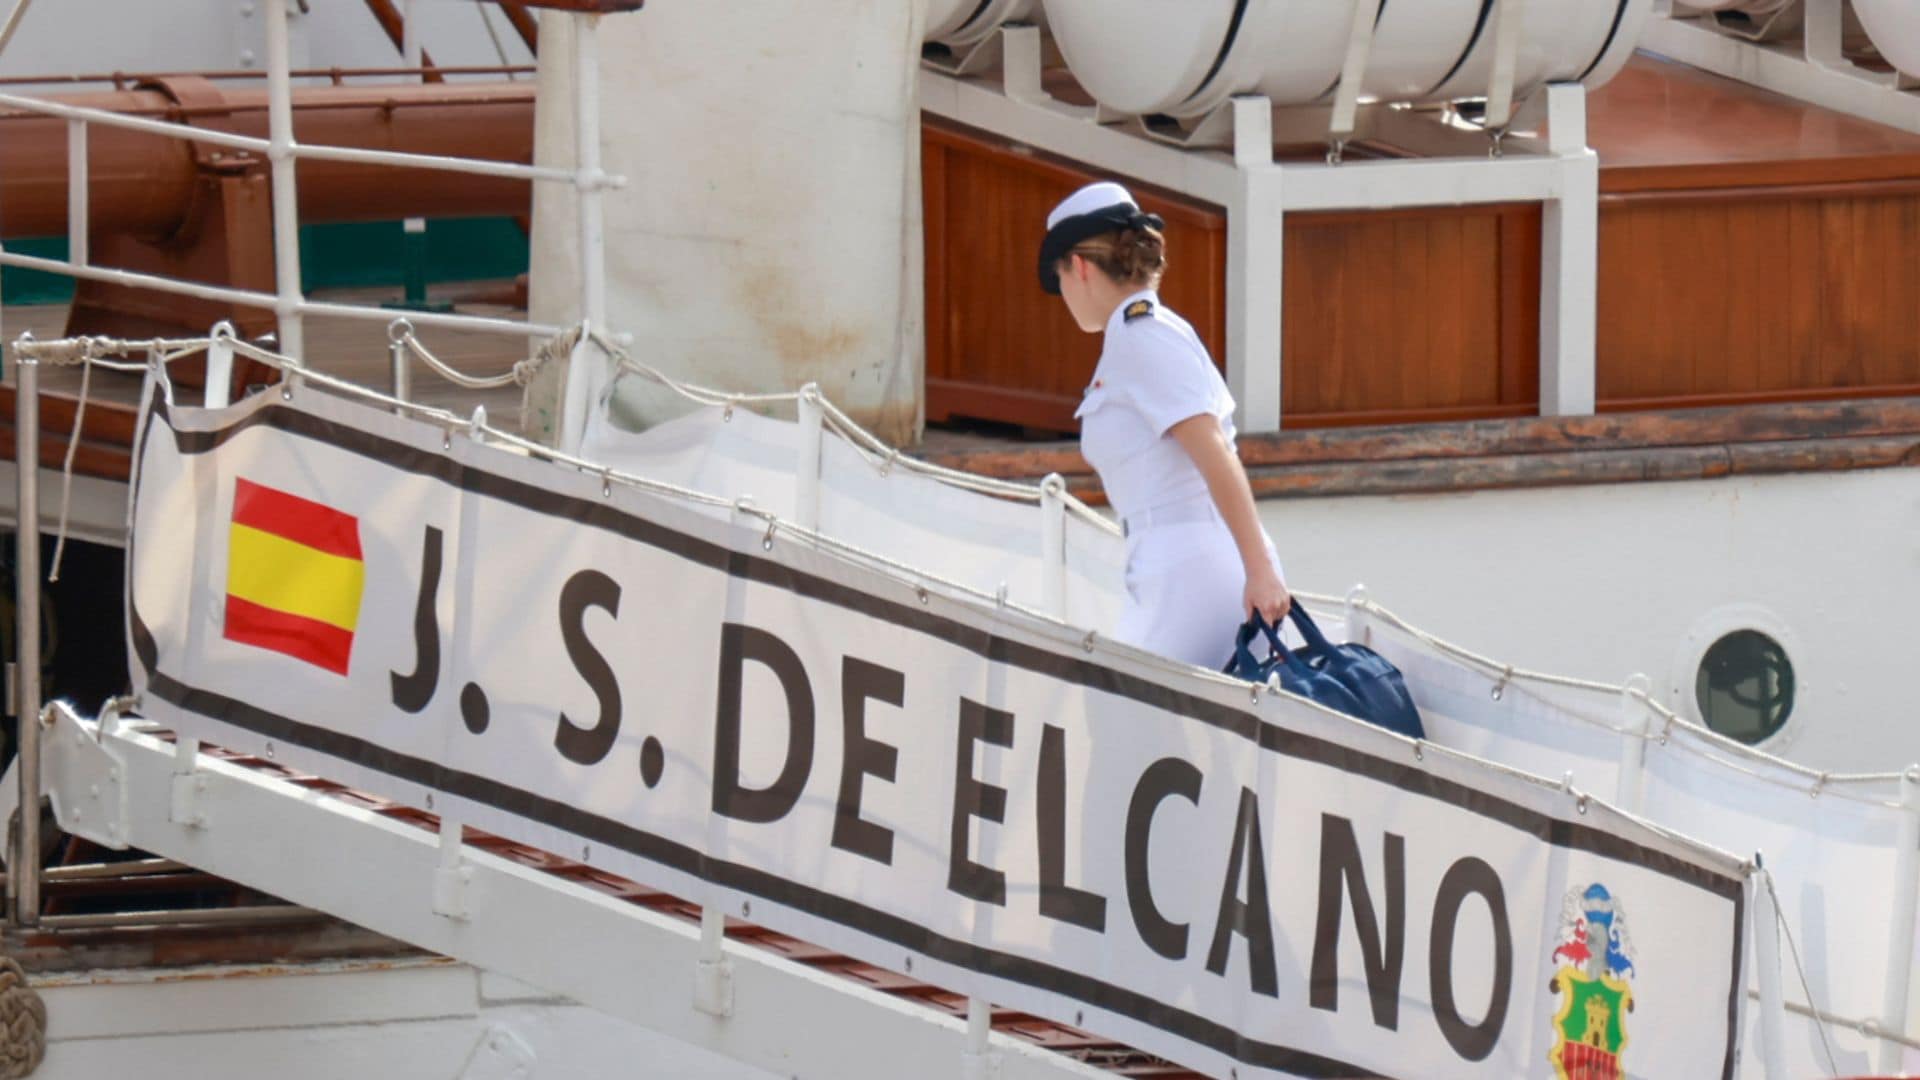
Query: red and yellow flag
(294,576)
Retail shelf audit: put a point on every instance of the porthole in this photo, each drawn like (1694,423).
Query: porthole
(1745,686)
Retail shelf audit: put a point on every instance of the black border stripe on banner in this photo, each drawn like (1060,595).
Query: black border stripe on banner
(850,914)
(1404,776)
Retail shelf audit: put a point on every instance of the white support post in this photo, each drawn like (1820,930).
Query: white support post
(1353,71)
(220,367)
(1570,261)
(1252,131)
(286,205)
(450,878)
(1906,905)
(1822,32)
(1636,721)
(813,434)
(186,806)
(23,879)
(1022,60)
(1764,927)
(78,181)
(1359,625)
(1053,545)
(589,182)
(713,972)
(1508,18)
(978,1061)
(1255,283)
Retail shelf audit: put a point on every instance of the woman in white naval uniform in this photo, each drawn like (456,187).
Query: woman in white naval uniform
(1157,425)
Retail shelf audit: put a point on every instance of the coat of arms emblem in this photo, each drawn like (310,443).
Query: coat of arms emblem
(1595,964)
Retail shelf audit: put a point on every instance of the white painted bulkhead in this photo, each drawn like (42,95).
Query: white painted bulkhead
(765,238)
(1604,582)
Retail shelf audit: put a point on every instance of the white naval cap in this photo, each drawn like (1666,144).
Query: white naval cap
(1104,195)
(1095,209)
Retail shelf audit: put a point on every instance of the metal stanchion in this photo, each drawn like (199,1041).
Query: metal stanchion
(25,862)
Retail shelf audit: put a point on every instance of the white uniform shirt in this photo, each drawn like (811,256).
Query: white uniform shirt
(1154,373)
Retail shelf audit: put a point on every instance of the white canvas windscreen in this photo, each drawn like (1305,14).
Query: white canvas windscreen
(980,541)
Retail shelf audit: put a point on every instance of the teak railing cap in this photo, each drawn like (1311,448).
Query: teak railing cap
(589,7)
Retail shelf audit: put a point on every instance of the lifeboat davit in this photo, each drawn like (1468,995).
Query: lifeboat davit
(963,22)
(1135,56)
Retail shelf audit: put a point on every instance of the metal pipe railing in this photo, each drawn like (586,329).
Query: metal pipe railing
(24,882)
(286,205)
(78,242)
(234,916)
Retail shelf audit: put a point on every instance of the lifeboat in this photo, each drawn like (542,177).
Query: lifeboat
(1134,58)
(959,23)
(1894,26)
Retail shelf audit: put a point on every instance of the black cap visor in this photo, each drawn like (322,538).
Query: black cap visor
(1073,231)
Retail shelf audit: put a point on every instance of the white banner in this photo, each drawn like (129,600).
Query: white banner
(1238,881)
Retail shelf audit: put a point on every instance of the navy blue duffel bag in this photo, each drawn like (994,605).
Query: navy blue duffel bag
(1364,678)
(1296,675)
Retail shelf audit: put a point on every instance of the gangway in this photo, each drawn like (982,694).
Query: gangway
(638,954)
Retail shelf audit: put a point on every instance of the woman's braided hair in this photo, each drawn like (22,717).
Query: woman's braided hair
(1133,256)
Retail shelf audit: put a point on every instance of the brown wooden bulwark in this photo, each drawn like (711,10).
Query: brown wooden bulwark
(1405,316)
(997,347)
(1390,317)
(1752,250)
(1737,298)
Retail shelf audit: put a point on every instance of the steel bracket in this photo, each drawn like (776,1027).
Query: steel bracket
(84,777)
(499,1055)
(713,987)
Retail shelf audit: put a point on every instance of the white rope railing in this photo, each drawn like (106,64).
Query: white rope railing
(882,456)
(1703,739)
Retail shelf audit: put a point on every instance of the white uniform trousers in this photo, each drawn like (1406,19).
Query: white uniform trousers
(1185,587)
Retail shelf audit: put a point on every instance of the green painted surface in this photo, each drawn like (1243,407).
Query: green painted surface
(19,286)
(359,255)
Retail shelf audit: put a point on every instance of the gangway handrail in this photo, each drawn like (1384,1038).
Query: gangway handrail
(281,148)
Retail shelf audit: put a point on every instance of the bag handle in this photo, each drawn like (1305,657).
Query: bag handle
(1243,663)
(1317,642)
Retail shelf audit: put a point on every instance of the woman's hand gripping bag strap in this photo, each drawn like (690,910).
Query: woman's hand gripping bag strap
(1367,675)
(1296,675)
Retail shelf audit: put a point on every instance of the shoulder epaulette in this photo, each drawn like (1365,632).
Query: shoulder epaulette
(1139,309)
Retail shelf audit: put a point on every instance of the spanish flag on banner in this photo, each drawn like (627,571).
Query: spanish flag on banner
(294,576)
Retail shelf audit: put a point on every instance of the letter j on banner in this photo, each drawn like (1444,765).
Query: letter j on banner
(294,576)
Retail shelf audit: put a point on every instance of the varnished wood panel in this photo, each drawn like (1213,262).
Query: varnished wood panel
(1746,298)
(1394,316)
(1400,316)
(997,347)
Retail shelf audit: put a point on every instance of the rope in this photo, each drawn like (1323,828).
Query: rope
(882,456)
(521,374)
(1793,949)
(1704,742)
(23,1022)
(13,22)
(66,472)
(878,453)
